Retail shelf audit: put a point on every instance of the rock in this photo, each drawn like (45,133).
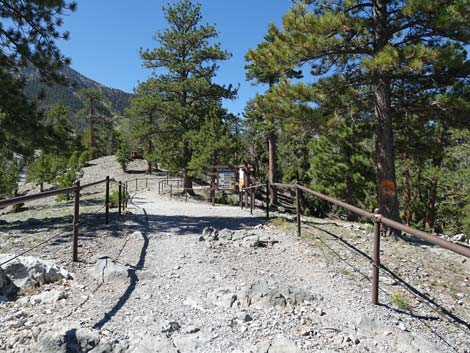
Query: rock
(263,294)
(408,343)
(226,234)
(278,345)
(48,297)
(108,270)
(152,344)
(28,271)
(251,241)
(201,238)
(368,326)
(169,327)
(223,297)
(73,340)
(459,237)
(190,343)
(210,233)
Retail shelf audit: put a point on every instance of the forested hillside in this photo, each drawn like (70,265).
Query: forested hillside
(54,93)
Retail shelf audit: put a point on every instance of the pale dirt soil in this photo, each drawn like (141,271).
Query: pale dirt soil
(175,277)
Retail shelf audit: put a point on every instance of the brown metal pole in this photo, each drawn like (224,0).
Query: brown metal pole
(76,222)
(297,202)
(376,258)
(107,200)
(120,197)
(267,199)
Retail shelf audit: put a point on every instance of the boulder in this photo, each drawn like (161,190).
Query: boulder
(210,233)
(108,270)
(28,271)
(226,234)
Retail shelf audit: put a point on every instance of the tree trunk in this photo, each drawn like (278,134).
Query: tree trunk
(386,178)
(188,184)
(92,132)
(407,189)
(431,204)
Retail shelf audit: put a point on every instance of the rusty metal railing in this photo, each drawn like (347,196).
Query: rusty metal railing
(76,211)
(375,217)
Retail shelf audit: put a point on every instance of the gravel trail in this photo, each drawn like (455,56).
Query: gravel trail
(188,277)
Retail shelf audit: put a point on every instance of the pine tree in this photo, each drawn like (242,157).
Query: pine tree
(374,46)
(264,70)
(185,64)
(28,31)
(213,144)
(96,106)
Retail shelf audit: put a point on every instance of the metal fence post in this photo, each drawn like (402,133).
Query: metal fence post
(376,258)
(136,185)
(159,183)
(267,199)
(251,201)
(297,208)
(240,200)
(171,191)
(186,194)
(120,197)
(124,207)
(76,222)
(107,200)
(167,179)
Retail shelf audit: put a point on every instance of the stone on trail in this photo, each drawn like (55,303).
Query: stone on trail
(76,341)
(408,343)
(108,270)
(152,344)
(28,271)
(210,233)
(277,345)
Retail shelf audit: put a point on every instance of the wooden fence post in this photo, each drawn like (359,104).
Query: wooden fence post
(297,208)
(267,199)
(120,197)
(76,221)
(107,200)
(376,258)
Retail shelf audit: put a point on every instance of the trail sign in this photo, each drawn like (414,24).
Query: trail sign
(226,180)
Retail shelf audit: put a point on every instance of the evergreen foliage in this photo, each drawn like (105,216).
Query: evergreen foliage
(377,48)
(182,89)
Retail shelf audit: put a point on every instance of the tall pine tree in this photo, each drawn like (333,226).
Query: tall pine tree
(185,64)
(373,45)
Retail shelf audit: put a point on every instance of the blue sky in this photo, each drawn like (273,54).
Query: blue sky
(106,36)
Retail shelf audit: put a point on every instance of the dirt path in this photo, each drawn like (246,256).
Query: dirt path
(154,283)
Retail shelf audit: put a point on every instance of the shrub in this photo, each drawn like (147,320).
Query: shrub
(400,301)
(114,198)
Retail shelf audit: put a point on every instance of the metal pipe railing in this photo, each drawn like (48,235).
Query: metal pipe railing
(375,217)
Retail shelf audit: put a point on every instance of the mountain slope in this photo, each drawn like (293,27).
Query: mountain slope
(55,93)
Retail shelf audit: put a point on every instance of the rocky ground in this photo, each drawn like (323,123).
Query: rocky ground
(172,276)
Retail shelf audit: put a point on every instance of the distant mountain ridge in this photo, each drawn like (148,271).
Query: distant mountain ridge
(55,93)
